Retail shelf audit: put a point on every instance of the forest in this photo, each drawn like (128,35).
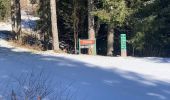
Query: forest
(62,23)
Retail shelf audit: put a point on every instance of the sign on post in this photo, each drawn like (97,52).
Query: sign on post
(86,43)
(123,45)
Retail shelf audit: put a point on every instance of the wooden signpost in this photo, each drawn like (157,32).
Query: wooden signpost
(86,43)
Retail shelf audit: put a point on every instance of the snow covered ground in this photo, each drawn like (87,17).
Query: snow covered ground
(28,21)
(92,77)
(5,26)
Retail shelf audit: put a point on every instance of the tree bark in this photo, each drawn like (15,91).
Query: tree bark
(16,18)
(91,31)
(54,25)
(110,40)
(13,16)
(75,24)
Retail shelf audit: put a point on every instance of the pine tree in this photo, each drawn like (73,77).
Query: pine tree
(114,13)
(54,25)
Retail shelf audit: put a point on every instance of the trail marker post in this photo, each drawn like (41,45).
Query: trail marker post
(86,43)
(123,45)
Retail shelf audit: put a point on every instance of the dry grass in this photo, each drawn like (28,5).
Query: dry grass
(23,45)
(32,48)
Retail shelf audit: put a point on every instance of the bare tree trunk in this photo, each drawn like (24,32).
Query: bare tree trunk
(75,41)
(13,16)
(91,31)
(110,40)
(75,23)
(16,18)
(54,25)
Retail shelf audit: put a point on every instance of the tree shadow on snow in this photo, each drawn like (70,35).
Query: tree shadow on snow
(5,34)
(90,81)
(158,59)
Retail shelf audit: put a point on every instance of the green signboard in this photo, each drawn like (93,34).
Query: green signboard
(123,41)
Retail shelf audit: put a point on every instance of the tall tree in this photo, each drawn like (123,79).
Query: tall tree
(16,18)
(54,25)
(44,24)
(112,12)
(91,31)
(75,23)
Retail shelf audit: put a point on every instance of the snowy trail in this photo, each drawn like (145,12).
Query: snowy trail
(93,77)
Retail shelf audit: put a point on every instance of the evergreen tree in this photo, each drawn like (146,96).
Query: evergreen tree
(150,23)
(114,13)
